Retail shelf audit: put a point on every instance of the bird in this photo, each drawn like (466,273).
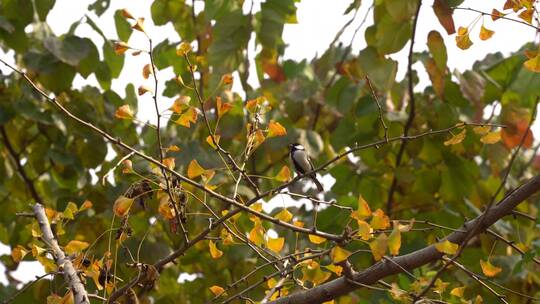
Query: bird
(302,163)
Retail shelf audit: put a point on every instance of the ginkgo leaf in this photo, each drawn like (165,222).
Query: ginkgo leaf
(338,254)
(315,239)
(379,220)
(458,291)
(85,205)
(120,47)
(147,71)
(126,14)
(495,14)
(364,230)
(527,15)
(143,89)
(256,235)
(440,286)
(447,247)
(227,79)
(124,112)
(210,141)
(217,290)
(75,246)
(463,41)
(489,269)
(180,104)
(222,107)
(169,163)
(533,64)
(284,174)
(187,118)
(363,210)
(214,251)
(194,169)
(394,240)
(37,251)
(491,137)
(284,215)
(275,244)
(139,25)
(485,33)
(183,48)
(335,269)
(456,139)
(276,129)
(18,253)
(481,130)
(172,148)
(251,105)
(378,246)
(122,205)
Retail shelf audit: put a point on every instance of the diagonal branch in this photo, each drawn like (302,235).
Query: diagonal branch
(62,261)
(371,275)
(18,164)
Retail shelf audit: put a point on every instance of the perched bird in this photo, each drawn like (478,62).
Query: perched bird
(302,163)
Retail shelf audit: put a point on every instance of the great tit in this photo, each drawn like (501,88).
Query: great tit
(302,163)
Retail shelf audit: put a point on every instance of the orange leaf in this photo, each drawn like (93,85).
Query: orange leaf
(227,79)
(85,205)
(489,269)
(217,290)
(276,244)
(222,107)
(378,246)
(120,47)
(18,253)
(444,14)
(124,112)
(276,129)
(122,205)
(147,71)
(143,90)
(180,104)
(513,134)
(214,251)
(485,34)
(127,14)
(139,25)
(211,142)
(495,14)
(194,169)
(527,15)
(284,174)
(169,163)
(187,118)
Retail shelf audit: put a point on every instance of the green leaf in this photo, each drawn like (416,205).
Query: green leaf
(401,10)
(123,28)
(381,71)
(70,49)
(113,61)
(437,49)
(43,7)
(392,36)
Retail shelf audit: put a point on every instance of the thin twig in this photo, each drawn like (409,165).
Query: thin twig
(381,118)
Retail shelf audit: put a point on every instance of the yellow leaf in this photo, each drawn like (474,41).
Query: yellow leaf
(440,286)
(335,269)
(214,251)
(227,79)
(491,137)
(315,239)
(489,269)
(458,291)
(143,89)
(18,253)
(338,254)
(533,64)
(456,139)
(527,15)
(481,130)
(222,107)
(147,71)
(364,230)
(251,105)
(478,300)
(447,247)
(485,33)
(256,234)
(180,104)
(124,112)
(298,224)
(284,215)
(276,129)
(70,211)
(54,299)
(495,14)
(194,169)
(139,25)
(122,205)
(363,210)
(259,138)
(187,118)
(183,48)
(75,246)
(394,240)
(463,41)
(169,162)
(211,142)
(276,244)
(380,220)
(284,174)
(217,290)
(165,210)
(172,148)
(378,246)
(37,251)
(120,47)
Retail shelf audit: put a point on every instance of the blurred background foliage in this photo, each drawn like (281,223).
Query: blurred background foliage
(323,103)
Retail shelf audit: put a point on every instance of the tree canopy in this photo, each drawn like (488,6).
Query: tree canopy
(435,194)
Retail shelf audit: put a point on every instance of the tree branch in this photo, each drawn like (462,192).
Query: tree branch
(340,286)
(64,263)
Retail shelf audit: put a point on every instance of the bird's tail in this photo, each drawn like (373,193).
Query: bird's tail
(317,183)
